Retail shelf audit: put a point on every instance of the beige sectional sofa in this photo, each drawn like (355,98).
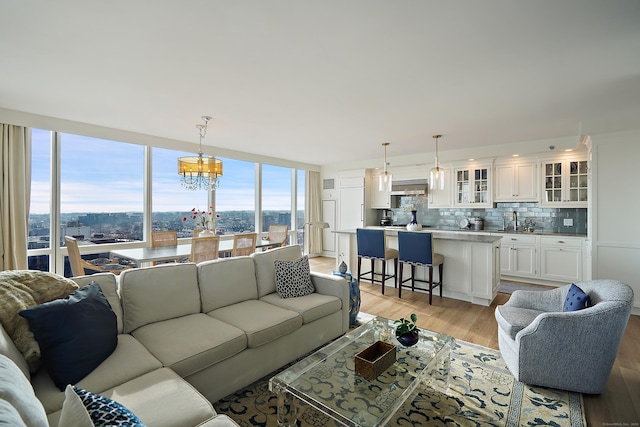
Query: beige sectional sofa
(219,325)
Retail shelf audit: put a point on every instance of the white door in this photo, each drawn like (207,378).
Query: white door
(328,236)
(351,208)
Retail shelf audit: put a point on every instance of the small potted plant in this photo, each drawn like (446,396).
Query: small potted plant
(407,333)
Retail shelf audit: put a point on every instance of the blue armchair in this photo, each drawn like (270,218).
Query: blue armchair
(544,346)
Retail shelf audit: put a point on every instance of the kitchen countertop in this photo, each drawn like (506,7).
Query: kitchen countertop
(450,232)
(438,234)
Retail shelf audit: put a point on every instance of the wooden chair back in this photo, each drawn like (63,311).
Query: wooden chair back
(204,248)
(78,265)
(75,260)
(278,233)
(244,244)
(164,238)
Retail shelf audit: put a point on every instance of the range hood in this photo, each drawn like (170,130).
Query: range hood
(409,187)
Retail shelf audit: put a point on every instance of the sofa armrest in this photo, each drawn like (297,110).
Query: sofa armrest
(337,286)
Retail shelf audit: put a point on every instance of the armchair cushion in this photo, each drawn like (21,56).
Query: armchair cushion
(514,319)
(576,299)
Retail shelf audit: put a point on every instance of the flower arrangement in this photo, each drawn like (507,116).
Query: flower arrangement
(203,219)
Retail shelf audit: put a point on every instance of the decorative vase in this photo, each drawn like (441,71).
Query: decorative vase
(205,233)
(413,224)
(354,301)
(408,339)
(342,268)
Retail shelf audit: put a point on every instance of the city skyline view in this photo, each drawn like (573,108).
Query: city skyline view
(106,176)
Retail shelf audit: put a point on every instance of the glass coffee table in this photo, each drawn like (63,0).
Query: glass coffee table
(327,381)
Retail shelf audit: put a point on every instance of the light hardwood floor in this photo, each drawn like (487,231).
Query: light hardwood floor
(619,405)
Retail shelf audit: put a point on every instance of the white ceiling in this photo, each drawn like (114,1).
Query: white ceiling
(327,80)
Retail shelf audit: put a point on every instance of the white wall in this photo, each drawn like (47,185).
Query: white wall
(615,228)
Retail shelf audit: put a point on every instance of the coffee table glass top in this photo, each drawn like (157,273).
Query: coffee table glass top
(326,379)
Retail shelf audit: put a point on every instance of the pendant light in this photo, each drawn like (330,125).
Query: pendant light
(201,172)
(436,175)
(384,181)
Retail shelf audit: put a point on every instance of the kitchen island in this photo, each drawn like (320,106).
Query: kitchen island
(471,261)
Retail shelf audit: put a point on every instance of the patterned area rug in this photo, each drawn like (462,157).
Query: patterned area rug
(482,392)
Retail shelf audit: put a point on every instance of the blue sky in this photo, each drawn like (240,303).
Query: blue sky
(103,176)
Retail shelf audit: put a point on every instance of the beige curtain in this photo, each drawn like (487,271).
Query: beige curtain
(15,195)
(315,213)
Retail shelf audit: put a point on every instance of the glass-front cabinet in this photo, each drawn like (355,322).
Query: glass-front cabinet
(565,182)
(473,185)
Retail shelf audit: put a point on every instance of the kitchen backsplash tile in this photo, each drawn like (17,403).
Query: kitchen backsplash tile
(541,219)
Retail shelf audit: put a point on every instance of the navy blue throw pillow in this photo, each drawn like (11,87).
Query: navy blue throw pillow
(576,299)
(75,334)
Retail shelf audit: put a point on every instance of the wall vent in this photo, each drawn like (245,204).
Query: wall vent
(328,184)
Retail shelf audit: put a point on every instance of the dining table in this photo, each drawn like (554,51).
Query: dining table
(147,255)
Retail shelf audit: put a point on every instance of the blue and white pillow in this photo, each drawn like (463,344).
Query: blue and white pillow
(84,408)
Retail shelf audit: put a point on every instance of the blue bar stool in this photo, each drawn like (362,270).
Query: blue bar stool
(416,249)
(372,245)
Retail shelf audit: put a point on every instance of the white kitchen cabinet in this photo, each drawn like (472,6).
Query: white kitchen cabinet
(442,198)
(561,258)
(565,182)
(472,186)
(516,181)
(518,255)
(378,199)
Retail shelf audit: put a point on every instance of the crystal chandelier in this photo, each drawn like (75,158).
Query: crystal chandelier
(201,172)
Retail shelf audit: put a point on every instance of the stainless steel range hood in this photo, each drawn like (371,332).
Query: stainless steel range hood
(409,187)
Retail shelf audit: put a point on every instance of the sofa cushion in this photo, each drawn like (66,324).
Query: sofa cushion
(311,307)
(158,293)
(576,299)
(226,281)
(265,266)
(81,406)
(17,399)
(191,343)
(21,289)
(75,334)
(9,349)
(261,322)
(514,319)
(293,278)
(129,360)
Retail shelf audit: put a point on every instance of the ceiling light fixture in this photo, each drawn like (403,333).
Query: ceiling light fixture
(201,172)
(384,181)
(436,175)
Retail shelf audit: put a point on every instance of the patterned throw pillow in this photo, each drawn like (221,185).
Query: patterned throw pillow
(293,278)
(576,299)
(101,410)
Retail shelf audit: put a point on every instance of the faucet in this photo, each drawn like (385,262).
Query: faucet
(514,218)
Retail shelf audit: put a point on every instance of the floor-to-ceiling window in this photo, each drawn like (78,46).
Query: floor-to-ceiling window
(101,190)
(40,205)
(300,201)
(94,189)
(235,197)
(172,203)
(276,196)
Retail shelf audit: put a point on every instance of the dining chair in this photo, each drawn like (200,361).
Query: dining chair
(204,248)
(372,245)
(164,238)
(78,264)
(416,249)
(244,244)
(278,233)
